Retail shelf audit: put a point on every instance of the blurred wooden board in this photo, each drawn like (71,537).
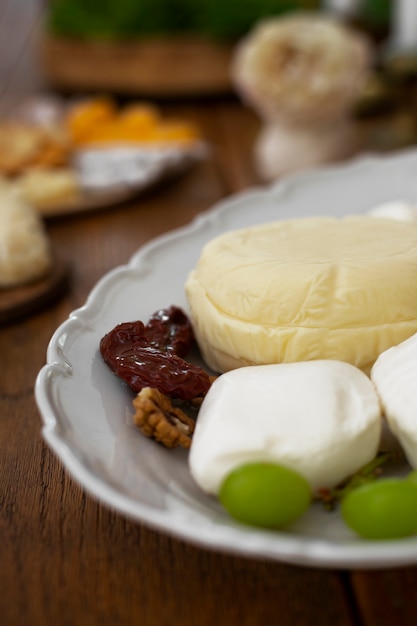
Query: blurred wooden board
(18,302)
(151,67)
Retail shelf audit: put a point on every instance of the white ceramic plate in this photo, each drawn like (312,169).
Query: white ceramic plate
(87,411)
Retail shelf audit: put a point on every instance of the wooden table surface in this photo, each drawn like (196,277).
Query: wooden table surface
(64,558)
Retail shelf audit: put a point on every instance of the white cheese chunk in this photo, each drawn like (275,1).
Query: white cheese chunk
(25,252)
(320,418)
(395,377)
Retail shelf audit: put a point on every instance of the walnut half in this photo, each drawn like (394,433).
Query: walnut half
(159,419)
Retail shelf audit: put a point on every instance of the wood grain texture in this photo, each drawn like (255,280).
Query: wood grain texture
(64,558)
(152,66)
(18,302)
(386,596)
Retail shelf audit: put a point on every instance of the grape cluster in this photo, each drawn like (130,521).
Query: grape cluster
(269,495)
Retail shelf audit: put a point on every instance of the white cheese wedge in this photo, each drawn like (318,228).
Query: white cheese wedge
(319,418)
(304,289)
(394,375)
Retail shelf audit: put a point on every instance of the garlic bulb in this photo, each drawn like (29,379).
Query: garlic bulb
(301,67)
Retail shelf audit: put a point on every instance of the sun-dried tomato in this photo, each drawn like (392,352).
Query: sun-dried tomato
(151,355)
(170,330)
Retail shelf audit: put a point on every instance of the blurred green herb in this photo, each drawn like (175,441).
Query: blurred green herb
(377,12)
(124,19)
(233,18)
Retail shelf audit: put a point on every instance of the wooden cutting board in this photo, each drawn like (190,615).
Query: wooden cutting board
(19,302)
(190,66)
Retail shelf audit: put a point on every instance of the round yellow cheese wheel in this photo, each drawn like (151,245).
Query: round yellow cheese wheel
(304,289)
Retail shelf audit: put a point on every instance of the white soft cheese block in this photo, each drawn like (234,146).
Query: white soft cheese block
(303,289)
(394,375)
(320,418)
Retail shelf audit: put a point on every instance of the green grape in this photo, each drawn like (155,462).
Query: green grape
(265,494)
(384,509)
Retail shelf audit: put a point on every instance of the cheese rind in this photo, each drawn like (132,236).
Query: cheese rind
(303,289)
(394,376)
(321,419)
